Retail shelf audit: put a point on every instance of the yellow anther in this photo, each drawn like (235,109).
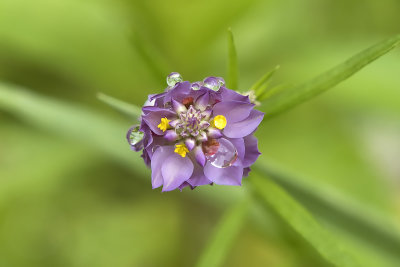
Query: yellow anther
(164,125)
(219,122)
(181,150)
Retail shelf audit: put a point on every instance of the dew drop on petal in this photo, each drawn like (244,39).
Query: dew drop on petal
(221,81)
(174,78)
(223,155)
(135,135)
(196,86)
(212,83)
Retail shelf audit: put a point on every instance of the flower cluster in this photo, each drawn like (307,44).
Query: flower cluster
(197,134)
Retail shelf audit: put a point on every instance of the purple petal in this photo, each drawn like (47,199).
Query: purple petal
(244,127)
(202,101)
(153,119)
(190,143)
(198,178)
(178,107)
(228,94)
(185,184)
(252,151)
(175,170)
(159,157)
(199,155)
(233,111)
(224,176)
(214,133)
(171,135)
(246,171)
(202,137)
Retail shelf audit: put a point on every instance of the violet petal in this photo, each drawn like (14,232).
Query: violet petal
(175,170)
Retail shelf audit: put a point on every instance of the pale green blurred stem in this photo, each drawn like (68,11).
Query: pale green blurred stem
(275,197)
(224,235)
(233,69)
(132,111)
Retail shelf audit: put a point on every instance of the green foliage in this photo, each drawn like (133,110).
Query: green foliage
(302,221)
(224,235)
(130,110)
(297,95)
(233,69)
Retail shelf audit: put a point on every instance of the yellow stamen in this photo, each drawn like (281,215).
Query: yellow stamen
(164,125)
(181,150)
(219,122)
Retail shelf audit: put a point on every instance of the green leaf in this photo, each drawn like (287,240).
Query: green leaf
(275,197)
(224,236)
(367,225)
(152,57)
(301,93)
(233,69)
(72,121)
(121,106)
(261,85)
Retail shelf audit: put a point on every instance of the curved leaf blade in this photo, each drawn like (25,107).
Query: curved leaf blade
(233,69)
(272,195)
(303,92)
(224,236)
(121,106)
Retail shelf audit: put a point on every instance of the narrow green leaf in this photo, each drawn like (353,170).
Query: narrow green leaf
(121,106)
(152,57)
(233,69)
(86,126)
(301,93)
(275,197)
(365,224)
(261,85)
(271,92)
(224,236)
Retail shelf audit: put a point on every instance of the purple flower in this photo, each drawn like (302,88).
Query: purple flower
(197,134)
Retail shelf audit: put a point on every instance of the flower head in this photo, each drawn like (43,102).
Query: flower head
(197,134)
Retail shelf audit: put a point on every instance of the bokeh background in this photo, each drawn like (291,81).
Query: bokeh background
(67,202)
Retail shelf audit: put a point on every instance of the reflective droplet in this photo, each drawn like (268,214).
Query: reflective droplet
(174,78)
(220,152)
(221,81)
(135,135)
(196,86)
(212,83)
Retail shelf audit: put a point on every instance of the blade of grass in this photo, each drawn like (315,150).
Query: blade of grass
(128,109)
(261,85)
(70,120)
(303,92)
(275,197)
(151,56)
(224,235)
(359,221)
(233,69)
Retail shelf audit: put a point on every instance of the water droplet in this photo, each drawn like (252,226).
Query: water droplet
(212,83)
(174,78)
(221,81)
(221,153)
(196,86)
(135,135)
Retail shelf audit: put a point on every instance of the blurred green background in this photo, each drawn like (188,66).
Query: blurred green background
(67,202)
